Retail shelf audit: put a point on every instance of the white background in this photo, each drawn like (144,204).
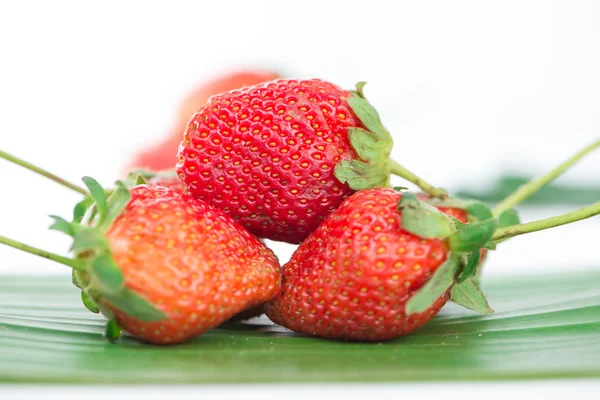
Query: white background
(469,89)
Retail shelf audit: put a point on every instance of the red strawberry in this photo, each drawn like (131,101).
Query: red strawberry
(168,267)
(353,277)
(163,155)
(277,156)
(223,83)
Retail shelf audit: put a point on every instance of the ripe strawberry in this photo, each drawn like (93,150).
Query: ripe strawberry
(163,155)
(280,156)
(168,267)
(220,84)
(355,274)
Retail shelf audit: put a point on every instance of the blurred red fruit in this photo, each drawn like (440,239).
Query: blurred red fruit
(163,155)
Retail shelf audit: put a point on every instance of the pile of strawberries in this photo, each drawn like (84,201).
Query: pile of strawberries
(168,254)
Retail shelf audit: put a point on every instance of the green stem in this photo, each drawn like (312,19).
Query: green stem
(75,264)
(563,219)
(530,188)
(402,172)
(42,172)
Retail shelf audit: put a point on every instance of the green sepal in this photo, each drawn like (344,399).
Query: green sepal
(136,306)
(478,210)
(97,193)
(399,188)
(473,236)
(81,208)
(62,225)
(74,280)
(469,262)
(360,175)
(469,295)
(140,180)
(508,218)
(113,330)
(441,280)
(88,238)
(142,176)
(491,245)
(117,202)
(369,117)
(360,89)
(107,275)
(372,145)
(369,147)
(424,220)
(89,303)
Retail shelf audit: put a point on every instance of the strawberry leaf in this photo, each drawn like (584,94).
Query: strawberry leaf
(473,237)
(372,145)
(81,208)
(89,303)
(116,203)
(141,176)
(360,175)
(469,295)
(479,210)
(107,275)
(62,225)
(75,280)
(508,218)
(98,195)
(441,280)
(88,239)
(369,117)
(368,146)
(140,180)
(360,89)
(424,220)
(470,262)
(136,306)
(490,245)
(113,330)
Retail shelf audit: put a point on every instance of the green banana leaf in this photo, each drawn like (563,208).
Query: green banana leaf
(544,327)
(555,193)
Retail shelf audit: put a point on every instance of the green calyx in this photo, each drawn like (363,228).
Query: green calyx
(466,241)
(142,176)
(372,145)
(99,277)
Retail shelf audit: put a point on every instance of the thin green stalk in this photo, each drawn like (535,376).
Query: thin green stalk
(42,172)
(563,219)
(75,264)
(402,172)
(530,188)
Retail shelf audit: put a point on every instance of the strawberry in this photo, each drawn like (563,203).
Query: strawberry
(165,266)
(365,274)
(228,81)
(163,155)
(280,156)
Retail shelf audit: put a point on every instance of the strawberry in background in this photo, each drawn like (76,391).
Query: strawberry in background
(163,155)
